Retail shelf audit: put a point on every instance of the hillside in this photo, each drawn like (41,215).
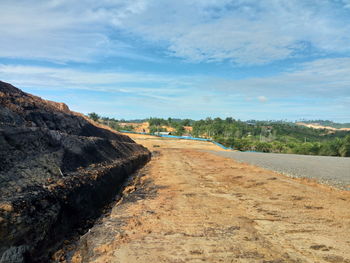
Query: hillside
(57,169)
(261,136)
(327,125)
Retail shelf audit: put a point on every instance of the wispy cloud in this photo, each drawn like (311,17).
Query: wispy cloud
(321,87)
(243,32)
(217,57)
(158,86)
(63,31)
(322,78)
(262,99)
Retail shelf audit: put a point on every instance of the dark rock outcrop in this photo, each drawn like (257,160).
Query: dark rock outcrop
(56,169)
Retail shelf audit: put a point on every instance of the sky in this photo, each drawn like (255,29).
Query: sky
(246,59)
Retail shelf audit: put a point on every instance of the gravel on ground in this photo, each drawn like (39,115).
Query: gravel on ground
(325,169)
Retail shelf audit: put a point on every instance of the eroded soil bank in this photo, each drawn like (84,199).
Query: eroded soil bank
(57,169)
(193,206)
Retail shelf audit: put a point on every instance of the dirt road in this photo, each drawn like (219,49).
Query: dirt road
(189,205)
(326,169)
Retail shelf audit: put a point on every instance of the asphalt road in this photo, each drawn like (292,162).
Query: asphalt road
(330,170)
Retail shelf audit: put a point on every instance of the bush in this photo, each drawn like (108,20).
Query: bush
(154,129)
(263,147)
(94,116)
(345,148)
(331,148)
(180,130)
(243,144)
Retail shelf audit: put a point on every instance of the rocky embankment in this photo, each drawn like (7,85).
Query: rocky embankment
(57,169)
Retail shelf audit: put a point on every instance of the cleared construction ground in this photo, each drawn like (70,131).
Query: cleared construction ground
(326,169)
(191,205)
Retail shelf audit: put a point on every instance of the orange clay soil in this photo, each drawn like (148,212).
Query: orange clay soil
(189,205)
(318,126)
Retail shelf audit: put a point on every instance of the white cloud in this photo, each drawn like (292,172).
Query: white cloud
(61,30)
(346,3)
(61,76)
(241,31)
(244,31)
(161,87)
(322,78)
(316,89)
(262,99)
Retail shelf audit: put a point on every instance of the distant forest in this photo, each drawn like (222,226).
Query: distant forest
(261,136)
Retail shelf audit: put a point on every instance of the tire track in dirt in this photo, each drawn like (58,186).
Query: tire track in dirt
(193,206)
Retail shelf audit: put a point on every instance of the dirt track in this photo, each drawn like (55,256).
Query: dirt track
(193,206)
(326,169)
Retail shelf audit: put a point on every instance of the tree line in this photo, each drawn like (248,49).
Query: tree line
(252,135)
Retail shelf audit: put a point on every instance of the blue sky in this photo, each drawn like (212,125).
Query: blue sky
(271,59)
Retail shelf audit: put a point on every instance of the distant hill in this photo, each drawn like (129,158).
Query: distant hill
(325,124)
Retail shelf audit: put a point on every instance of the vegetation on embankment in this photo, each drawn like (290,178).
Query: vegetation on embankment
(262,136)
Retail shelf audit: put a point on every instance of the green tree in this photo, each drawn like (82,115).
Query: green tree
(180,130)
(243,144)
(263,147)
(94,116)
(331,148)
(345,148)
(186,122)
(155,129)
(115,125)
(127,128)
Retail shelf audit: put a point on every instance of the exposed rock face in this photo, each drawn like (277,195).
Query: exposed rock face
(56,169)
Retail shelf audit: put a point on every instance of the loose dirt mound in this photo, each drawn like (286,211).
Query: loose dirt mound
(56,169)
